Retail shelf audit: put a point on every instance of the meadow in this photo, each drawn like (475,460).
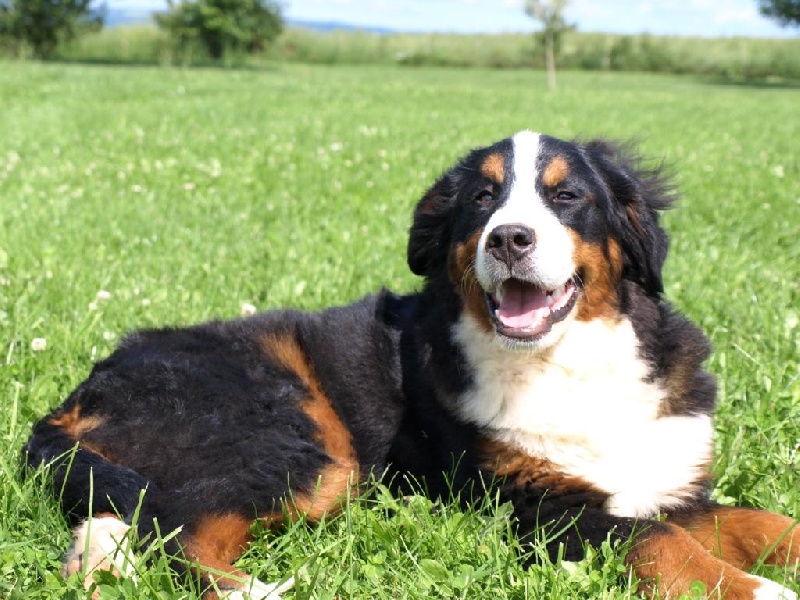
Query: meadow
(141,196)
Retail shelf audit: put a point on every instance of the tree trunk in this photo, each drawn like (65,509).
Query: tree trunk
(550,59)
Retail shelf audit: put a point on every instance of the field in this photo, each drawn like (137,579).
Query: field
(138,196)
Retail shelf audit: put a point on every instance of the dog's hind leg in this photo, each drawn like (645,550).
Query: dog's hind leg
(212,543)
(87,482)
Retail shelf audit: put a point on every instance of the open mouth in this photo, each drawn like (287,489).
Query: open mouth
(524,311)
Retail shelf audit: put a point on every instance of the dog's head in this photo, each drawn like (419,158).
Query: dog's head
(534,232)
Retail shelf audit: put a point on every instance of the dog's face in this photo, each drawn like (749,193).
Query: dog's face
(534,233)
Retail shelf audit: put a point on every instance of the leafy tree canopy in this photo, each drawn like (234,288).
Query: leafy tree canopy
(220,25)
(43,24)
(786,12)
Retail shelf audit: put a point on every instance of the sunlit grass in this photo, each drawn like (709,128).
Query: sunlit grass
(135,197)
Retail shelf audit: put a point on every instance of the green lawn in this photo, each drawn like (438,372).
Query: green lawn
(187,193)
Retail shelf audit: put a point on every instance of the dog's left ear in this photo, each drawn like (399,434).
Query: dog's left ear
(429,237)
(638,194)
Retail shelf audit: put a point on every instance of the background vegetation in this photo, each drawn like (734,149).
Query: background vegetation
(219,26)
(137,197)
(39,26)
(735,59)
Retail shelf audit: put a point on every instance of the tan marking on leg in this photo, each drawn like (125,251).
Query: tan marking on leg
(744,536)
(213,544)
(333,484)
(339,478)
(461,268)
(555,172)
(600,271)
(668,562)
(523,469)
(220,537)
(493,167)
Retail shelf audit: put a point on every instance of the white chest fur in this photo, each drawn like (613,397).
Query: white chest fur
(587,408)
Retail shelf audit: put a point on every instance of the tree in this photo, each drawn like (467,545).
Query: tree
(44,24)
(221,25)
(785,12)
(550,13)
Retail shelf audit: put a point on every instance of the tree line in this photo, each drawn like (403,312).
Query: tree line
(217,26)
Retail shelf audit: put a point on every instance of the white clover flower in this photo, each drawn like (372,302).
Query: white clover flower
(103,295)
(38,344)
(248,309)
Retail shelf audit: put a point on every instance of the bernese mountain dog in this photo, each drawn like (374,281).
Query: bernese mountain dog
(539,362)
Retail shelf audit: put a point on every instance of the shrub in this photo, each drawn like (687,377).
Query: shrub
(43,24)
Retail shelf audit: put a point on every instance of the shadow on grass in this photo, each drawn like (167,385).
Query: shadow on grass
(222,65)
(769,83)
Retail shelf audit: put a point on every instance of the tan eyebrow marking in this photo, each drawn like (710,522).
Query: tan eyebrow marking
(555,172)
(493,167)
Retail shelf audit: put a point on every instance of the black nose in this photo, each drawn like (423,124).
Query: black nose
(509,243)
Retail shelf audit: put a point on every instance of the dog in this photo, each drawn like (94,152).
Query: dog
(539,362)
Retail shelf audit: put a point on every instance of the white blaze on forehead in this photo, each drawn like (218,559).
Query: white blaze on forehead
(552,261)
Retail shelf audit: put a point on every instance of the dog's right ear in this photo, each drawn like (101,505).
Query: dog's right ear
(429,238)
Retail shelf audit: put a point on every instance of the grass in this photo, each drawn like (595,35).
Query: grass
(187,193)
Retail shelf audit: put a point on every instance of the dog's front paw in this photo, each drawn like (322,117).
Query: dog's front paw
(769,590)
(258,590)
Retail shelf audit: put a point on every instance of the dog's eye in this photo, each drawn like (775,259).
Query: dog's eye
(564,196)
(484,197)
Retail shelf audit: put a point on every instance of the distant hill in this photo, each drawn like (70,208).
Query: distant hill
(127,16)
(326,26)
(133,16)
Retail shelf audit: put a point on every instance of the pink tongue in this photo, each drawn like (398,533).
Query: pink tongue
(523,306)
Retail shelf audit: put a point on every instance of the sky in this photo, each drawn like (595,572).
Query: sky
(710,18)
